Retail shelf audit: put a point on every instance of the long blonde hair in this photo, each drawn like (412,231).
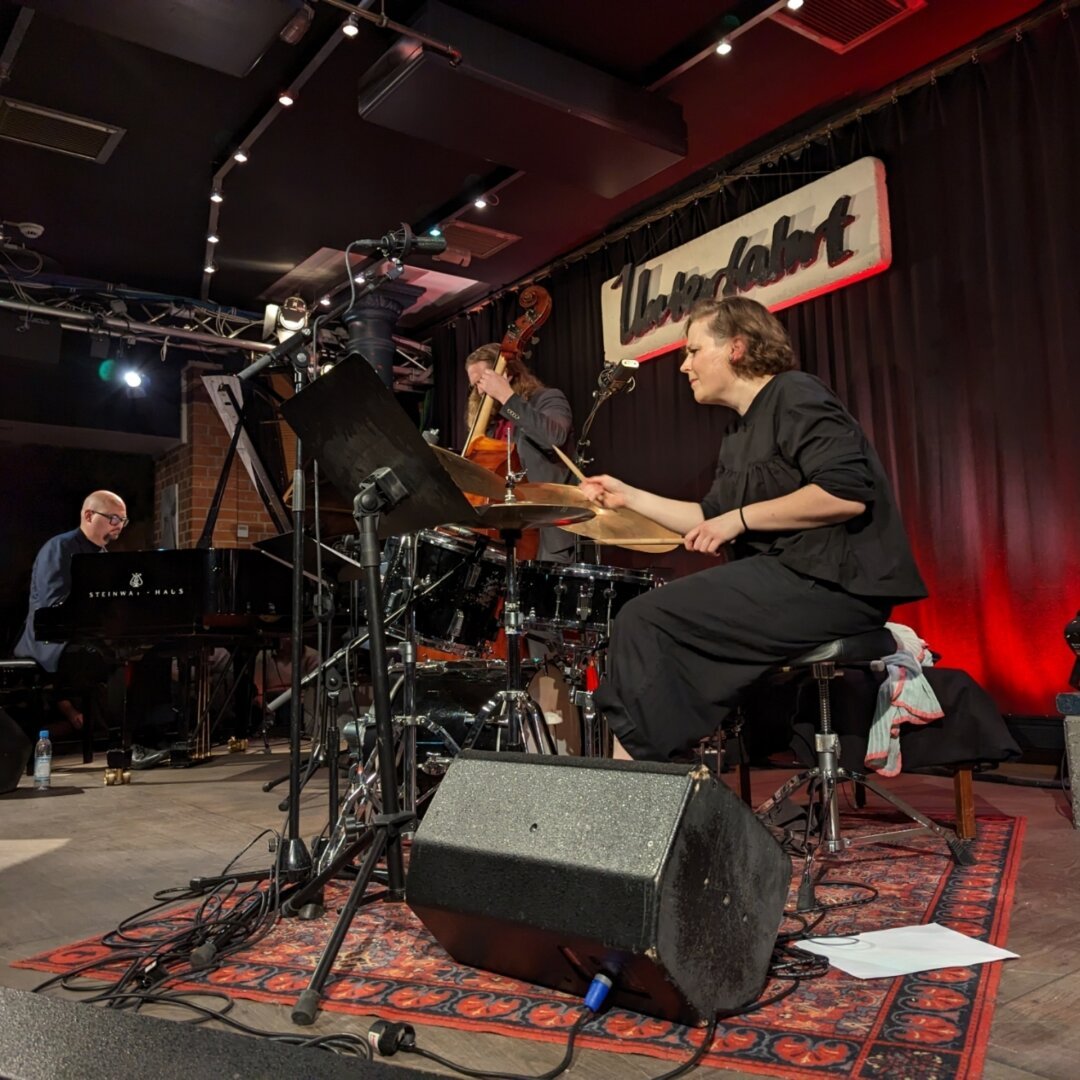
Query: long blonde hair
(522,381)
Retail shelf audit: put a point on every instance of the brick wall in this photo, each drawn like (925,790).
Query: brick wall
(195,466)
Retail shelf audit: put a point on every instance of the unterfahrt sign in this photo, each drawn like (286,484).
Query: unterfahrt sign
(824,236)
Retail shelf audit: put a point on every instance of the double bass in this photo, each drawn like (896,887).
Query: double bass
(492,453)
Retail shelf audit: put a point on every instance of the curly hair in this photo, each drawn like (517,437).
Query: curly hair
(522,381)
(768,347)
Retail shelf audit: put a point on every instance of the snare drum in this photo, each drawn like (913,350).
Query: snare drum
(457,588)
(578,596)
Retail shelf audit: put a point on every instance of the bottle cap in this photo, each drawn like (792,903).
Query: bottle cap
(43,734)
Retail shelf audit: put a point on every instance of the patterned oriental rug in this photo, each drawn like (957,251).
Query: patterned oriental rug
(922,1027)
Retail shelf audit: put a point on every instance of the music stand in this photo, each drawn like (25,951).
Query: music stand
(372,453)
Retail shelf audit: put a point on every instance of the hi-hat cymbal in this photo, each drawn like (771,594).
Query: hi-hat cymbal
(470,477)
(626,528)
(523,515)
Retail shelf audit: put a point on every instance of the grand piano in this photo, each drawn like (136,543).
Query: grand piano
(178,603)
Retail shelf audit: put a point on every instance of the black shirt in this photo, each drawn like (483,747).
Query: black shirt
(50,583)
(796,432)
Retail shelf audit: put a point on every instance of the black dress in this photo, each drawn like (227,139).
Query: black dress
(681,654)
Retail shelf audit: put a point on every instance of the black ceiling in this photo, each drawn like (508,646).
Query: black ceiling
(189,80)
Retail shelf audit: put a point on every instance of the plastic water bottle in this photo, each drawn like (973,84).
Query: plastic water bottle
(42,762)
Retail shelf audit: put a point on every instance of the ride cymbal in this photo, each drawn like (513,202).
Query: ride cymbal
(626,528)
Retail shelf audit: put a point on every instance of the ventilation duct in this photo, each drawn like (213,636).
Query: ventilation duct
(842,25)
(34,125)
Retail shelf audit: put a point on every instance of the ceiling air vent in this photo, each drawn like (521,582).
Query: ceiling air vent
(842,25)
(465,242)
(77,136)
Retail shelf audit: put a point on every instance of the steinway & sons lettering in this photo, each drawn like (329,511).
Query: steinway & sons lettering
(109,594)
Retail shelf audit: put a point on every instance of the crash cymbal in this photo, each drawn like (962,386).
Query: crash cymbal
(523,515)
(626,528)
(470,477)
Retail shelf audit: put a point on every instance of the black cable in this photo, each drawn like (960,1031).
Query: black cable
(558,1070)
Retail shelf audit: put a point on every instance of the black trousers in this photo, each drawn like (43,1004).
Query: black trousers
(680,655)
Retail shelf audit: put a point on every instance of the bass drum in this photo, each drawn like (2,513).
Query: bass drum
(450,693)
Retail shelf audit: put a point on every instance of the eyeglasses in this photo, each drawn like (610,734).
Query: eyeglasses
(113,519)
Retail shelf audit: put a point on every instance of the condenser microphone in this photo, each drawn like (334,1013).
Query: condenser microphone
(401,242)
(617,376)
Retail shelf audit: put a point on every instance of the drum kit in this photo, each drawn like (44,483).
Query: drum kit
(465,611)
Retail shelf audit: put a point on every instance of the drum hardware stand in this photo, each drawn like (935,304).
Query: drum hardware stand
(513,707)
(379,494)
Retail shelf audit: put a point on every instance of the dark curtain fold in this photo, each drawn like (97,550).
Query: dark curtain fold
(958,360)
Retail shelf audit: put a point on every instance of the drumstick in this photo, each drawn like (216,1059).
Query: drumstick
(569,464)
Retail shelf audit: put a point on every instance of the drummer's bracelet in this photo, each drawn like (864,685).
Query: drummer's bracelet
(746,528)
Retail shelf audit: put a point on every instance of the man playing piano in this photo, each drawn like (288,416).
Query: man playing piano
(103,518)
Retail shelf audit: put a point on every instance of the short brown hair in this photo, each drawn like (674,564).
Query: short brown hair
(768,347)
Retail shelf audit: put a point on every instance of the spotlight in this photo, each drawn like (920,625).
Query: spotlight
(794,5)
(436,231)
(480,203)
(240,156)
(213,238)
(350,27)
(359,279)
(298,25)
(292,315)
(285,98)
(216,196)
(325,301)
(209,268)
(132,379)
(724,47)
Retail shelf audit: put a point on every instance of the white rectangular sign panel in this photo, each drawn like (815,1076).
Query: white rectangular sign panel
(824,236)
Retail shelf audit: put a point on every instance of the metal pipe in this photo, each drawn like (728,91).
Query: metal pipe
(78,320)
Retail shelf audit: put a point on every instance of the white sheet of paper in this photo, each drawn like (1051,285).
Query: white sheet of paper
(903,950)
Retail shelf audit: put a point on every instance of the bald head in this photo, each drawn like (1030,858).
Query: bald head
(97,509)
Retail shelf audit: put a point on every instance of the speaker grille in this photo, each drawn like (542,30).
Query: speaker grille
(48,129)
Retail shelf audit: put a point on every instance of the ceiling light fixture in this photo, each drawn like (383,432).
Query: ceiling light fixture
(325,301)
(216,196)
(724,47)
(359,279)
(240,156)
(480,203)
(209,268)
(350,27)
(794,5)
(285,98)
(133,379)
(213,238)
(434,231)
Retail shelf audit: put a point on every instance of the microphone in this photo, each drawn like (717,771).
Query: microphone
(400,242)
(617,376)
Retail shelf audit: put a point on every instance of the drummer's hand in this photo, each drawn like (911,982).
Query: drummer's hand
(606,491)
(711,535)
(494,385)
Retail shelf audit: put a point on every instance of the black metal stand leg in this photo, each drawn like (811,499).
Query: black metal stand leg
(381,491)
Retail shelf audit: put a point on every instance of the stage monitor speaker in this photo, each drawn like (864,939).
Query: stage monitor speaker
(552,869)
(15,750)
